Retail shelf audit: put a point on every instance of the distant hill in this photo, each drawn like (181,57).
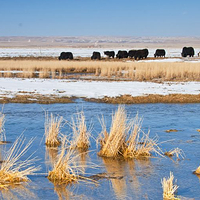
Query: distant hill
(99,42)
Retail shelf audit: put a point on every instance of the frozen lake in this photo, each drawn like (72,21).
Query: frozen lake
(140,179)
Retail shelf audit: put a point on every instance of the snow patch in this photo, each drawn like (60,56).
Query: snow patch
(93,89)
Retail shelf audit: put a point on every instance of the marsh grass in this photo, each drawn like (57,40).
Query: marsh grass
(169,188)
(137,71)
(197,171)
(67,169)
(64,170)
(126,138)
(140,144)
(13,170)
(176,152)
(52,130)
(112,143)
(81,135)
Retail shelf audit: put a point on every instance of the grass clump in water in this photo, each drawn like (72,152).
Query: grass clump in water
(112,143)
(169,188)
(52,130)
(175,152)
(80,133)
(137,145)
(197,171)
(13,170)
(66,170)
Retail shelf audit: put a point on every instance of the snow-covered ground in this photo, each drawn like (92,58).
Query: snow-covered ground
(83,52)
(93,89)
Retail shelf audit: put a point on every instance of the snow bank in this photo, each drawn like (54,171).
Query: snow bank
(93,89)
(83,52)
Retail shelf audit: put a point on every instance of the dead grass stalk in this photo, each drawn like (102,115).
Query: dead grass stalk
(177,152)
(13,170)
(67,170)
(140,144)
(52,130)
(80,133)
(169,188)
(112,143)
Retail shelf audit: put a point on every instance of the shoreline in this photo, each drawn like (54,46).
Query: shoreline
(123,99)
(34,90)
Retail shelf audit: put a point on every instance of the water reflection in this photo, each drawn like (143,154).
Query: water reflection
(116,171)
(17,192)
(82,157)
(136,169)
(1,157)
(62,192)
(51,155)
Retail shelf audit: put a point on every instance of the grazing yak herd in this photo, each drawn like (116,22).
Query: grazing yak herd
(136,54)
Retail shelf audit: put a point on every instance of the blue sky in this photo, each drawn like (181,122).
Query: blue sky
(99,18)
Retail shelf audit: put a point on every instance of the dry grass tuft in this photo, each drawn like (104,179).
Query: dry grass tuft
(137,145)
(66,170)
(13,170)
(112,143)
(80,133)
(63,170)
(197,171)
(171,130)
(177,152)
(169,188)
(52,130)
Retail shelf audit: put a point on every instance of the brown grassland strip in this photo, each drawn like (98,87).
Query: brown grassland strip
(108,69)
(152,98)
(41,99)
(124,99)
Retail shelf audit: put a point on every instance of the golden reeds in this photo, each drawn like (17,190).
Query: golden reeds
(164,71)
(169,188)
(140,146)
(65,170)
(112,143)
(175,152)
(13,170)
(197,171)
(137,145)
(52,130)
(80,133)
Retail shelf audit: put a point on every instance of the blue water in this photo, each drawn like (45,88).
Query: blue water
(141,179)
